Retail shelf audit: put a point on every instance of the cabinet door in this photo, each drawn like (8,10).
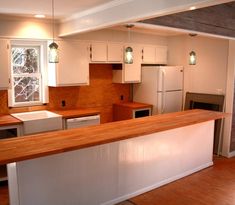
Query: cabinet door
(132,72)
(115,52)
(73,66)
(161,55)
(149,54)
(98,52)
(4,65)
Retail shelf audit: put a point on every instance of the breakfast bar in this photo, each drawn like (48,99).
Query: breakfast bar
(108,163)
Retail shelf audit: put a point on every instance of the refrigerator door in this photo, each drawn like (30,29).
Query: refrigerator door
(145,91)
(170,101)
(170,78)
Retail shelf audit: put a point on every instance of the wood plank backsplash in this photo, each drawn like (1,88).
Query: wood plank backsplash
(100,94)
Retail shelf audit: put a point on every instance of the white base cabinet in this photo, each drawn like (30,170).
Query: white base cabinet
(73,66)
(4,66)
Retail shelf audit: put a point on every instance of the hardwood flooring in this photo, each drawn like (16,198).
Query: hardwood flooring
(212,186)
(4,199)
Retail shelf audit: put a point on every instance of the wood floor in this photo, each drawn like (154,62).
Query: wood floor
(212,186)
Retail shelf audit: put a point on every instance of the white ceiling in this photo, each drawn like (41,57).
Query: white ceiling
(63,8)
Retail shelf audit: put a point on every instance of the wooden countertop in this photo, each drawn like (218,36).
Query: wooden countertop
(80,112)
(134,105)
(29,147)
(6,120)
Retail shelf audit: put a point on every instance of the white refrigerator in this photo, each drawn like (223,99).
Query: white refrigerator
(161,86)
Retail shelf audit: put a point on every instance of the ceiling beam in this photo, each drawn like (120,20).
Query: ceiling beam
(123,11)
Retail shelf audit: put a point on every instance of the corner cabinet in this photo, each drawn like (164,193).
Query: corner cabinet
(4,66)
(129,73)
(154,55)
(73,66)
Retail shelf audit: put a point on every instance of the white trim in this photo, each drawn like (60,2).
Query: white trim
(159,184)
(231,154)
(42,75)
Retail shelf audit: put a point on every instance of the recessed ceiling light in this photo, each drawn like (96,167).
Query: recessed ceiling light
(192,8)
(39,16)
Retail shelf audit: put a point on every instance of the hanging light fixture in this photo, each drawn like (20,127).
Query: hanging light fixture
(192,54)
(129,50)
(53,47)
(192,58)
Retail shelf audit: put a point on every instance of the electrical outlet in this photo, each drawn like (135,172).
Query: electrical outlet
(63,104)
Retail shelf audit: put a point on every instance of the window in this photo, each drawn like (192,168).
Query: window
(28,73)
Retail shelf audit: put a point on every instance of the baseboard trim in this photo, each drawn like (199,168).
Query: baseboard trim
(231,154)
(158,184)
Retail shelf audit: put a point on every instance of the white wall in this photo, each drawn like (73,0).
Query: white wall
(12,27)
(122,36)
(210,73)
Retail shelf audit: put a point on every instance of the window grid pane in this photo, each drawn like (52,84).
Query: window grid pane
(26,89)
(25,60)
(26,74)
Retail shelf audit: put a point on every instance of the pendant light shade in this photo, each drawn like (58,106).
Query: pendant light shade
(129,51)
(53,47)
(128,55)
(192,58)
(53,53)
(192,54)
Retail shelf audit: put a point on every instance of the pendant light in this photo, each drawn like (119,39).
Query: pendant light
(129,51)
(53,47)
(192,54)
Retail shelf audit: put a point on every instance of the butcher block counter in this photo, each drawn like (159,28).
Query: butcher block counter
(125,158)
(6,120)
(79,112)
(129,110)
(33,146)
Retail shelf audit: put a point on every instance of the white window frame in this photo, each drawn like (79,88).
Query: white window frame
(42,75)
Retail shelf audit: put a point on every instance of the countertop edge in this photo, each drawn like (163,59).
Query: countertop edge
(45,144)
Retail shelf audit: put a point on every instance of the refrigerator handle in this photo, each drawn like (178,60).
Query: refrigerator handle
(163,91)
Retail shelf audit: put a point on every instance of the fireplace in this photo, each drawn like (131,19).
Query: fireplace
(207,102)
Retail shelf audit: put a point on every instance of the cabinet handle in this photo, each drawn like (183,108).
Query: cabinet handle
(91,52)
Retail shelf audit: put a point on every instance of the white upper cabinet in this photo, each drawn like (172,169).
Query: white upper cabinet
(161,55)
(102,52)
(130,73)
(98,52)
(4,64)
(73,66)
(149,54)
(154,55)
(115,52)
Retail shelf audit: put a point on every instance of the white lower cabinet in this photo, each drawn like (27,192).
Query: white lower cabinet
(4,66)
(73,66)
(130,73)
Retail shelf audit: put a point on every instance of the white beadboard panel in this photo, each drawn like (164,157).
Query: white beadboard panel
(110,173)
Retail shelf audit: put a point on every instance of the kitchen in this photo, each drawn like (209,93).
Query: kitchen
(212,53)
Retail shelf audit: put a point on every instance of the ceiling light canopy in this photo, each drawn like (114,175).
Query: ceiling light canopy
(39,16)
(192,8)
